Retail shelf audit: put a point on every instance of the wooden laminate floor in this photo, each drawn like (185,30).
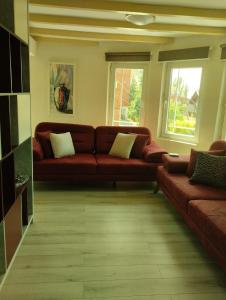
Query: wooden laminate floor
(113,244)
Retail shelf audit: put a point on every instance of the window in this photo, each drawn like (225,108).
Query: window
(182,101)
(126,94)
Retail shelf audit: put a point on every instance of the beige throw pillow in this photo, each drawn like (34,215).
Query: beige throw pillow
(62,144)
(122,145)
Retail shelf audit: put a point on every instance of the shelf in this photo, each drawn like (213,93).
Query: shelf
(14,121)
(5,76)
(8,183)
(15,125)
(25,68)
(5,125)
(22,165)
(30,199)
(1,198)
(24,120)
(13,229)
(2,250)
(15,64)
(14,75)
(7,14)
(20,189)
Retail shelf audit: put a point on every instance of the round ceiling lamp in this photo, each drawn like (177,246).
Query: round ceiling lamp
(140,19)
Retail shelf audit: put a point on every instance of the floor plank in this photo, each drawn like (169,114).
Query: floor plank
(100,243)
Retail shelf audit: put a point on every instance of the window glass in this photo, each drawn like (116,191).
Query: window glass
(181,106)
(127,96)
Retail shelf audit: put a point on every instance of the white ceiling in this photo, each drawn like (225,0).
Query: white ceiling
(189,3)
(129,31)
(82,13)
(120,16)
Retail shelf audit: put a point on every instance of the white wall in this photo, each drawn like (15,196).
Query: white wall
(21,21)
(92,79)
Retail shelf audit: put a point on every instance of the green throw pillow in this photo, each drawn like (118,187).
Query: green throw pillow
(210,170)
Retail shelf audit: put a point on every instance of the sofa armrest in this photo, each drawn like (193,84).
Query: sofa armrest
(153,153)
(37,150)
(176,164)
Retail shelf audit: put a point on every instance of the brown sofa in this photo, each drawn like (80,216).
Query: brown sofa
(91,161)
(202,207)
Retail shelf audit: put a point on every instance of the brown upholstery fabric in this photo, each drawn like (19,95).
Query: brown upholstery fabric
(105,136)
(210,170)
(193,158)
(82,135)
(84,165)
(37,150)
(44,140)
(175,164)
(153,153)
(218,145)
(210,217)
(88,178)
(183,191)
(79,163)
(138,147)
(107,164)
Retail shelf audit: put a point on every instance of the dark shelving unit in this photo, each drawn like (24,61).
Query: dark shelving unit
(25,68)
(7,14)
(1,197)
(15,64)
(16,198)
(8,183)
(14,122)
(5,74)
(5,125)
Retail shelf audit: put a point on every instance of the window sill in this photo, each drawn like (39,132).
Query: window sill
(168,139)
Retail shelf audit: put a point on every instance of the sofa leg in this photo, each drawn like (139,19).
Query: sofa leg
(114,184)
(156,188)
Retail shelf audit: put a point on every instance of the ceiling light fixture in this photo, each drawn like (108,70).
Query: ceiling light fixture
(140,19)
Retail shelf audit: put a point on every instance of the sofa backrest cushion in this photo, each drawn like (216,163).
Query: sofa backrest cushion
(218,145)
(44,140)
(138,148)
(105,136)
(193,159)
(82,135)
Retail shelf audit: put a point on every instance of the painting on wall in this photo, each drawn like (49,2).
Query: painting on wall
(61,88)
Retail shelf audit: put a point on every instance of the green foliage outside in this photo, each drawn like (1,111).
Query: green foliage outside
(134,107)
(184,124)
(179,120)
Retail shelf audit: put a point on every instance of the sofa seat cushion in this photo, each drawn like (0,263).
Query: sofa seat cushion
(80,163)
(210,218)
(182,191)
(107,164)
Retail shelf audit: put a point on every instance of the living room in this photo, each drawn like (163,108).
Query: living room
(103,235)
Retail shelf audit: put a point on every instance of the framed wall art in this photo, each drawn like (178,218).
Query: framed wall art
(61,88)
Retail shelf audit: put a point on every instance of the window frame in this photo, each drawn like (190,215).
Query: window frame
(111,88)
(168,66)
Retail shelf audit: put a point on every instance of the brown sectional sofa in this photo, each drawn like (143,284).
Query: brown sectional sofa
(202,207)
(91,161)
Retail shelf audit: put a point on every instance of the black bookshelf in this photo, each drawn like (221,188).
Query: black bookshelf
(5,74)
(7,14)
(16,206)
